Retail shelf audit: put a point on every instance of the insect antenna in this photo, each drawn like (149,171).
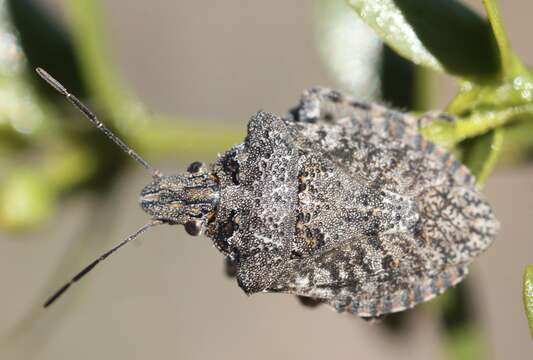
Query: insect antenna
(96,261)
(94,120)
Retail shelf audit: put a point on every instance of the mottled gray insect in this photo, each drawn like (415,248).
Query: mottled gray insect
(339,201)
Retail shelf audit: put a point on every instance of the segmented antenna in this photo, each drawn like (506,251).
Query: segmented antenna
(101,258)
(93,119)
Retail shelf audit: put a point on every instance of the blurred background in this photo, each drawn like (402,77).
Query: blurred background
(179,80)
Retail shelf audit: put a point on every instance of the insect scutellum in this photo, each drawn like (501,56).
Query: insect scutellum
(189,199)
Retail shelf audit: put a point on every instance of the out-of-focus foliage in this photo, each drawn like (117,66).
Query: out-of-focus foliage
(30,152)
(48,151)
(44,156)
(155,134)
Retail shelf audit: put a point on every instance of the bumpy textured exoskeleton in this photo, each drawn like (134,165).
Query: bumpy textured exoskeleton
(339,201)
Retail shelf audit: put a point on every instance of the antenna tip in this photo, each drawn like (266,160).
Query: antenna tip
(50,80)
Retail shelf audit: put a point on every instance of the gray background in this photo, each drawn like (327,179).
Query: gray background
(167,297)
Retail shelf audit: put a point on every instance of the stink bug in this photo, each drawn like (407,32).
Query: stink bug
(340,201)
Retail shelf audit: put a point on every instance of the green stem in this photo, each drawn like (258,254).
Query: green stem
(466,343)
(511,65)
(482,156)
(88,31)
(156,134)
(449,134)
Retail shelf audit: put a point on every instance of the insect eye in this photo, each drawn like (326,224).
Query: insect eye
(193,228)
(295,113)
(195,167)
(232,167)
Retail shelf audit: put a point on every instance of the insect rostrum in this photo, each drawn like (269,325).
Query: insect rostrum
(339,201)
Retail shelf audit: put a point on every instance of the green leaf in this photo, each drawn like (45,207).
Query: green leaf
(528,296)
(443,35)
(481,155)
